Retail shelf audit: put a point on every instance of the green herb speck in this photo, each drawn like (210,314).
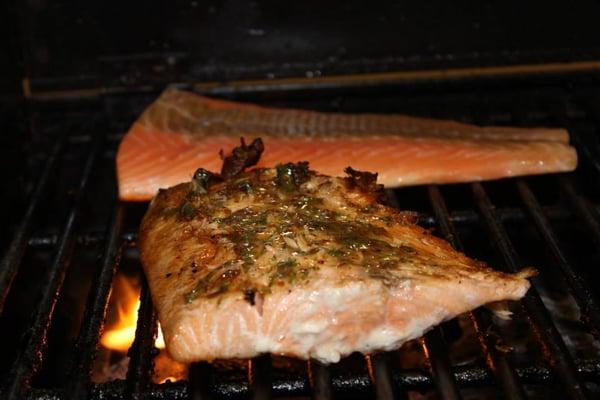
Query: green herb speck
(187,211)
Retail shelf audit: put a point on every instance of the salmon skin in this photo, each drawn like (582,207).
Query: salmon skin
(181,131)
(291,262)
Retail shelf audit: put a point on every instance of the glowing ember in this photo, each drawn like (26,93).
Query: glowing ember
(170,379)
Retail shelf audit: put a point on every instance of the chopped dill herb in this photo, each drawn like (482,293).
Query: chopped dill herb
(284,265)
(285,178)
(215,282)
(290,176)
(335,252)
(246,187)
(286,270)
(201,180)
(187,211)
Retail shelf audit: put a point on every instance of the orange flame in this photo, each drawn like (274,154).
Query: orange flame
(120,336)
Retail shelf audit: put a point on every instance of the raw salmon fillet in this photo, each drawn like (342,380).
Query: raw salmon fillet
(290,262)
(182,131)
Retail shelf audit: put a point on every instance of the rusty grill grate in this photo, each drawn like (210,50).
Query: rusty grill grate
(70,167)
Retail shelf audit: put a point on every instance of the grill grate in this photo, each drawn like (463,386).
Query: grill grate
(497,362)
(452,211)
(539,317)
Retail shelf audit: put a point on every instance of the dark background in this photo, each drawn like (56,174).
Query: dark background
(75,44)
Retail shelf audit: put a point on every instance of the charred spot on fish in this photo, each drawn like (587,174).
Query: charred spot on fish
(242,157)
(291,175)
(249,296)
(168,274)
(362,179)
(365,181)
(202,180)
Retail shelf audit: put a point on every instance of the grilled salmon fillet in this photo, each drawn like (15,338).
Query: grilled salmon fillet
(287,261)
(180,130)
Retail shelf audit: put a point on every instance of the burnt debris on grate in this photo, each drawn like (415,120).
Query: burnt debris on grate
(469,357)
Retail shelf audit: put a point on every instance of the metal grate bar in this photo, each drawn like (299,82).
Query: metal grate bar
(29,360)
(582,207)
(200,380)
(259,376)
(497,361)
(86,348)
(436,351)
(580,290)
(321,381)
(381,376)
(86,238)
(554,348)
(141,352)
(506,214)
(14,255)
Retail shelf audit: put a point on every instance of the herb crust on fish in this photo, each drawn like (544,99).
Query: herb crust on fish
(287,261)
